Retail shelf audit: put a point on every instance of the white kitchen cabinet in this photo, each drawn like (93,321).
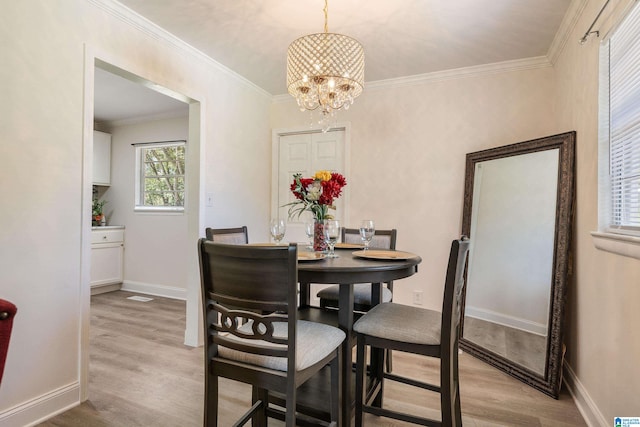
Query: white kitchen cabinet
(101,158)
(107,256)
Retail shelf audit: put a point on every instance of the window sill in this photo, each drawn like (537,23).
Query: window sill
(620,244)
(159,210)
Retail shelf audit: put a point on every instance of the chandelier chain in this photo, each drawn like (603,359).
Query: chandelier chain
(326,16)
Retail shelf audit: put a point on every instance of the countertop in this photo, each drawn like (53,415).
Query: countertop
(108,227)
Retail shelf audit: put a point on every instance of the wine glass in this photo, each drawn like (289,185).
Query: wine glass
(309,229)
(367,230)
(331,234)
(277,228)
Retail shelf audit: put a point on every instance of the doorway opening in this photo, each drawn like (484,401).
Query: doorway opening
(134,109)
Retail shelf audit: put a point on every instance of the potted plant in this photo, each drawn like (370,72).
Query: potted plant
(97,212)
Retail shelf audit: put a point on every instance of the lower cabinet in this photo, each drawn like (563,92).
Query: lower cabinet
(107,255)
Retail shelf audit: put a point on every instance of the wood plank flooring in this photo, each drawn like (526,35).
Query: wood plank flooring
(142,375)
(525,348)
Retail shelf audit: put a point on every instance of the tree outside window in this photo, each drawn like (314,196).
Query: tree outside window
(161,172)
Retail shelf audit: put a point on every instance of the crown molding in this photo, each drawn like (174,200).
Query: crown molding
(571,17)
(130,17)
(457,73)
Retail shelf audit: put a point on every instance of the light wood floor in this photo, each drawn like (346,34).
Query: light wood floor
(524,348)
(142,375)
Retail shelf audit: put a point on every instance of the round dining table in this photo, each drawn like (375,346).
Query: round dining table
(346,270)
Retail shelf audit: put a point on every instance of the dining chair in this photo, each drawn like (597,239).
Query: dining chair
(382,239)
(419,331)
(7,313)
(274,352)
(236,236)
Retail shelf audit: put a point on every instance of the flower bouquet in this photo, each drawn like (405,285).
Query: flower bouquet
(316,195)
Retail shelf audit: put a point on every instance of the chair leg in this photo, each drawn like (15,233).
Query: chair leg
(290,411)
(457,412)
(360,370)
(211,399)
(377,372)
(450,391)
(260,395)
(336,388)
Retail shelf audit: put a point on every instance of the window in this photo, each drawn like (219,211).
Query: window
(160,168)
(619,128)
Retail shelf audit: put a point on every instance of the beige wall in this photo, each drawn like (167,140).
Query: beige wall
(41,122)
(603,337)
(408,147)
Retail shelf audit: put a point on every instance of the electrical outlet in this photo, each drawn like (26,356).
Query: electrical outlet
(417,297)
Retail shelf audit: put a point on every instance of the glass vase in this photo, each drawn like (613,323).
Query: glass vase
(319,242)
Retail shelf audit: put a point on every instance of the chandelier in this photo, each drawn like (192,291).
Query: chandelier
(325,71)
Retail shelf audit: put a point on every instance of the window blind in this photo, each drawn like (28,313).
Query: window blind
(624,122)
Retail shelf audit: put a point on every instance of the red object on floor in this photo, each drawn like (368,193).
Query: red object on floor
(7,313)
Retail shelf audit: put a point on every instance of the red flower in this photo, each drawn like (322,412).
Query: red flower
(316,194)
(305,183)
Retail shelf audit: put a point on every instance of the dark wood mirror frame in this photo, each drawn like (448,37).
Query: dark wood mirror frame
(550,382)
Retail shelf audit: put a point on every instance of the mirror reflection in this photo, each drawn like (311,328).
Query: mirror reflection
(513,224)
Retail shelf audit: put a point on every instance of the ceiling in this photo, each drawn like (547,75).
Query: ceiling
(401,37)
(118,99)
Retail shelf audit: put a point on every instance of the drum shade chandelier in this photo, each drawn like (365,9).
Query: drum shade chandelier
(325,71)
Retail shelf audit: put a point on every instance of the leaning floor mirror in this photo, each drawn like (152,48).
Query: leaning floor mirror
(518,208)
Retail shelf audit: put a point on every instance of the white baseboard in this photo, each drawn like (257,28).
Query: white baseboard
(506,320)
(587,407)
(42,408)
(153,289)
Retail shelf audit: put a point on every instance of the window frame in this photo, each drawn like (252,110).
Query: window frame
(139,205)
(612,237)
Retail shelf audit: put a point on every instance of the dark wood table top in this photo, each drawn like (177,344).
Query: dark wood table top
(349,269)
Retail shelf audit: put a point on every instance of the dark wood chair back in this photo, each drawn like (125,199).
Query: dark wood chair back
(452,300)
(237,235)
(242,282)
(382,239)
(250,309)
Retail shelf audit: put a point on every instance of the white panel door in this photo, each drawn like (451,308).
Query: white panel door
(294,156)
(307,153)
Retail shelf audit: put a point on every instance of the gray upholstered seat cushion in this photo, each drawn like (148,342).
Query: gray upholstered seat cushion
(361,293)
(402,323)
(314,342)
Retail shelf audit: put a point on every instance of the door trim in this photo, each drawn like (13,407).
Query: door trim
(195,211)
